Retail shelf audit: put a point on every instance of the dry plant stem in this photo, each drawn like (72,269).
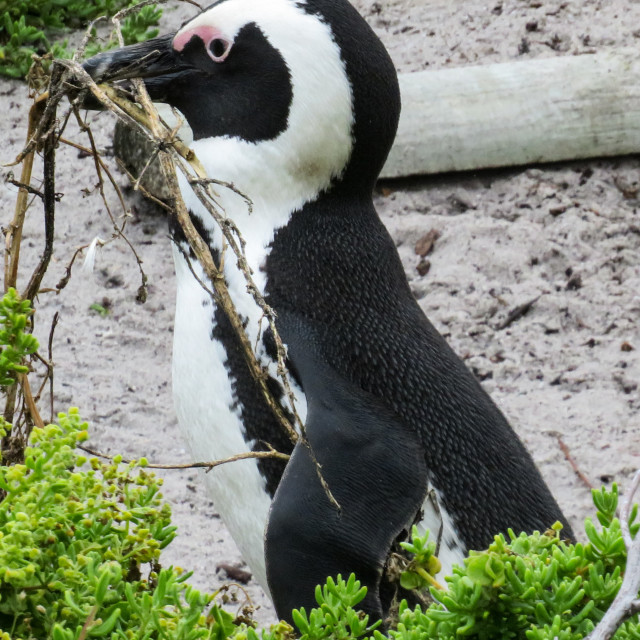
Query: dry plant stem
(88,622)
(50,99)
(217,279)
(225,226)
(627,601)
(148,120)
(625,509)
(50,369)
(205,258)
(571,460)
(228,586)
(21,185)
(92,152)
(269,313)
(14,234)
(135,117)
(118,230)
(29,402)
(50,143)
(248,455)
(79,52)
(126,11)
(142,190)
(10,404)
(64,281)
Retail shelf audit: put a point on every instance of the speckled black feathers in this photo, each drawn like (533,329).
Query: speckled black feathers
(349,284)
(334,273)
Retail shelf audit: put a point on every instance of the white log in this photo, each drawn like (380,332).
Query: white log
(518,113)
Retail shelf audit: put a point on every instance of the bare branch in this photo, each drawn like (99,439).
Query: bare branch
(30,404)
(149,118)
(79,52)
(571,460)
(54,324)
(626,507)
(118,230)
(169,147)
(21,185)
(249,455)
(48,125)
(14,233)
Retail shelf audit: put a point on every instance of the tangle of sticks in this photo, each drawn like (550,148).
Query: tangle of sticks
(69,80)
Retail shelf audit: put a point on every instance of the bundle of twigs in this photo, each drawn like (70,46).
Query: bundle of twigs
(70,85)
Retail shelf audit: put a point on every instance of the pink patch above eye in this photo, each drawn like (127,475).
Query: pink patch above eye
(205,33)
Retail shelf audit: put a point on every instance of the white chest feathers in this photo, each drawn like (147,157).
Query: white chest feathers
(279,176)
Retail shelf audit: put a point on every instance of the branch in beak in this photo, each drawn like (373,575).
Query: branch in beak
(144,60)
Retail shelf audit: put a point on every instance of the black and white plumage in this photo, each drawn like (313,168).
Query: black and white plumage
(296,103)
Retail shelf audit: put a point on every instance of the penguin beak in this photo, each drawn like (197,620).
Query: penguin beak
(156,61)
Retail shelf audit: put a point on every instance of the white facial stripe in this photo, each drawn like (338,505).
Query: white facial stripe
(317,144)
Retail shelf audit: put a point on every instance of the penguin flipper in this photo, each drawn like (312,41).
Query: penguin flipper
(375,469)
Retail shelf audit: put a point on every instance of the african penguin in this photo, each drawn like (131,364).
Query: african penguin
(296,103)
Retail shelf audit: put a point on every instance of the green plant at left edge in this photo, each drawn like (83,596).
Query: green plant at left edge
(80,540)
(29,27)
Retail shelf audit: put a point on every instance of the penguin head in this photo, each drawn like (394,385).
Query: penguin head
(297,88)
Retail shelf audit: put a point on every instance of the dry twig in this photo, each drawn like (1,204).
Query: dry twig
(571,460)
(50,141)
(248,455)
(13,235)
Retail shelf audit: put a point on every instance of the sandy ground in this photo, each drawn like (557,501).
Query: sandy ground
(563,239)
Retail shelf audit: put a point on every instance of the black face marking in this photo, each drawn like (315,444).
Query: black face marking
(247,95)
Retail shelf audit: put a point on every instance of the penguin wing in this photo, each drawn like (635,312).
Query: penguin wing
(374,467)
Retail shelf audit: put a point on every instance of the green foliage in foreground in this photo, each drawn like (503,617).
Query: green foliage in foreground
(80,542)
(74,541)
(76,537)
(29,26)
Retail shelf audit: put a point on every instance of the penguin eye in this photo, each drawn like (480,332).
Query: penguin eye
(218,49)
